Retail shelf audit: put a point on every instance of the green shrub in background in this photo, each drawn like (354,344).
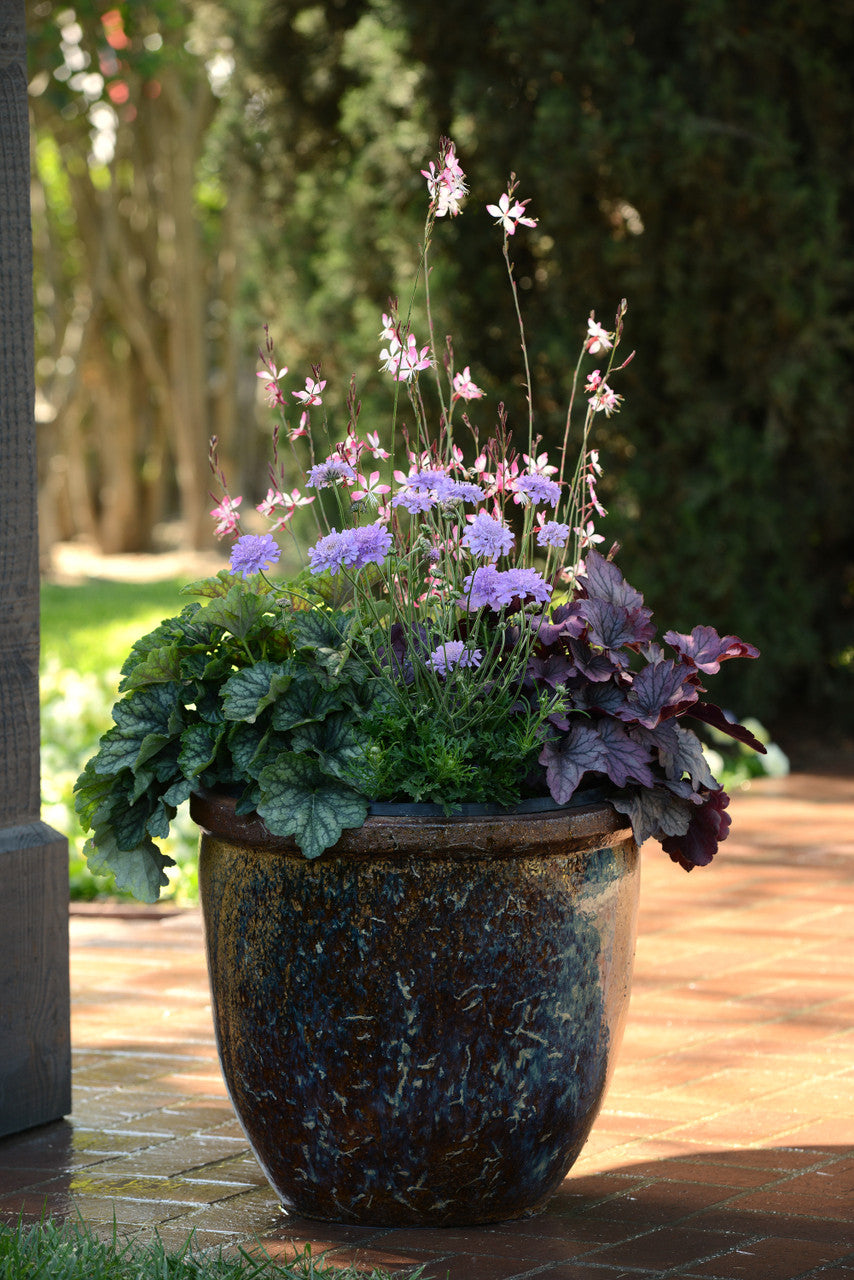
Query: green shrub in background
(690,155)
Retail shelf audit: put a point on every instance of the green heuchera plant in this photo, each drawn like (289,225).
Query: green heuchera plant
(456,635)
(244,693)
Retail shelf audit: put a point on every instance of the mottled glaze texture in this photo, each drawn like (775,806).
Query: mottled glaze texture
(417,1028)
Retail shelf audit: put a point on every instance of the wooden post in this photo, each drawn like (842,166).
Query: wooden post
(35,1050)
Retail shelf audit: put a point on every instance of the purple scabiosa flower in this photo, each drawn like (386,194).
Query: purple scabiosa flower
(254,552)
(372,543)
(492,588)
(487,537)
(332,552)
(451,654)
(414,500)
(428,479)
(326,473)
(462,491)
(535,488)
(552,534)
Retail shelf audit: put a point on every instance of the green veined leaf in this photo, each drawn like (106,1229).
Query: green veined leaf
(298,800)
(248,692)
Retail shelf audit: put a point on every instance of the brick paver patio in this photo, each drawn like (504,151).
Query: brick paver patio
(726,1146)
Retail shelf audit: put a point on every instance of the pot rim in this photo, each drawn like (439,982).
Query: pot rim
(545,827)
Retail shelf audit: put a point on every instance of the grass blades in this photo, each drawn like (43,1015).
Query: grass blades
(72,1251)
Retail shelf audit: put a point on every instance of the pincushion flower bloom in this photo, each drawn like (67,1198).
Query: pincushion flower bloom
(453,654)
(464,388)
(534,488)
(326,473)
(353,548)
(598,339)
(510,216)
(254,552)
(225,514)
(311,395)
(491,588)
(552,533)
(487,537)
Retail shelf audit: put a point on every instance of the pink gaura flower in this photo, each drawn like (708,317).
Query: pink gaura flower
(598,339)
(447,184)
(539,465)
(272,391)
(311,395)
(464,388)
(369,489)
(407,360)
(605,400)
(593,380)
(301,430)
(377,451)
(586,535)
(225,514)
(510,216)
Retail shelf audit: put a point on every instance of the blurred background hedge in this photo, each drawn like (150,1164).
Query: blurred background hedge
(694,157)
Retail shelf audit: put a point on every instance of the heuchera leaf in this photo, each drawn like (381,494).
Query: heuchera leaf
(654,689)
(305,701)
(298,800)
(709,825)
(595,666)
(220,585)
(315,630)
(553,670)
(603,581)
(624,760)
(159,666)
(237,612)
(679,752)
(710,714)
(654,812)
(248,692)
(140,871)
(569,758)
(706,650)
(611,627)
(198,748)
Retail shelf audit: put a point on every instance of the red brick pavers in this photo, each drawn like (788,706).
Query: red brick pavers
(725,1149)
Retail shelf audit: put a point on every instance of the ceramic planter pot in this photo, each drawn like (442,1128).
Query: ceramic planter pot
(418,1027)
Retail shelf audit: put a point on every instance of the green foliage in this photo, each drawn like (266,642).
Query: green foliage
(693,158)
(417,756)
(73,1251)
(237,692)
(86,631)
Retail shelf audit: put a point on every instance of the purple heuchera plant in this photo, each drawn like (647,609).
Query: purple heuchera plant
(600,651)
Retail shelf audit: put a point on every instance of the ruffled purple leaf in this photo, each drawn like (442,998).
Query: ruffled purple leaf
(607,697)
(658,691)
(553,670)
(679,752)
(625,760)
(569,758)
(654,813)
(595,666)
(603,581)
(612,627)
(566,621)
(706,650)
(709,825)
(712,715)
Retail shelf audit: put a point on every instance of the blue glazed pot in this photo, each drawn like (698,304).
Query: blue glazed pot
(418,1027)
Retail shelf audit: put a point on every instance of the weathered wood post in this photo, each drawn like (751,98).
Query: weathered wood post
(35,1052)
